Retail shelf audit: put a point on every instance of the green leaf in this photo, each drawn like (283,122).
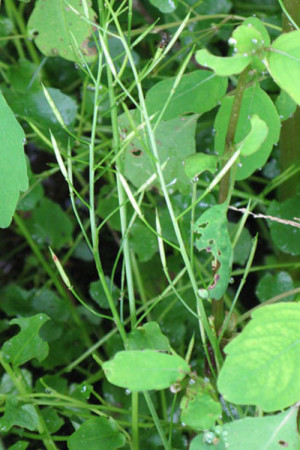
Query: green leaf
(285,237)
(18,414)
(13,171)
(24,76)
(257,135)
(27,344)
(199,410)
(165,6)
(195,164)
(142,241)
(21,445)
(285,106)
(285,53)
(190,95)
(148,336)
(255,102)
(271,285)
(52,419)
(243,246)
(145,370)
(259,26)
(99,433)
(270,432)
(60,29)
(214,238)
(246,39)
(223,66)
(40,225)
(262,366)
(33,195)
(175,140)
(97,292)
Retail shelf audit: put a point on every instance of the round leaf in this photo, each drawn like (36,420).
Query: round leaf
(145,370)
(98,433)
(263,367)
(271,285)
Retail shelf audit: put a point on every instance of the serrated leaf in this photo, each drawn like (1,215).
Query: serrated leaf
(257,135)
(148,336)
(270,432)
(190,95)
(54,25)
(255,102)
(99,433)
(271,285)
(214,238)
(145,370)
(27,344)
(262,366)
(223,66)
(175,140)
(285,237)
(285,53)
(199,410)
(195,164)
(13,170)
(18,414)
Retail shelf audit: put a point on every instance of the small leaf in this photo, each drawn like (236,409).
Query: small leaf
(262,366)
(54,25)
(148,336)
(243,246)
(270,432)
(142,241)
(97,292)
(189,96)
(27,344)
(99,433)
(13,170)
(21,445)
(223,66)
(285,237)
(145,370)
(195,164)
(52,419)
(285,53)
(271,285)
(214,238)
(285,106)
(247,39)
(259,26)
(165,6)
(199,410)
(18,414)
(257,135)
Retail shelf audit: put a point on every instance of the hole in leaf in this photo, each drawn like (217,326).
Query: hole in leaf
(136,152)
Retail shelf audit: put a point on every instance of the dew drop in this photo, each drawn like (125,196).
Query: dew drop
(127,392)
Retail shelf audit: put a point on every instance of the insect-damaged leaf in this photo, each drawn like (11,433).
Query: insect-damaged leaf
(262,366)
(214,238)
(145,370)
(62,28)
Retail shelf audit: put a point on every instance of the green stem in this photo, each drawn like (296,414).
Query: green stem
(135,420)
(227,181)
(156,420)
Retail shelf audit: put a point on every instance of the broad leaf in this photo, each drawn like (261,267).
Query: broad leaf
(284,63)
(199,410)
(214,238)
(223,65)
(61,30)
(145,370)
(165,6)
(175,140)
(13,171)
(98,433)
(190,95)
(270,432)
(263,367)
(257,135)
(195,164)
(271,285)
(247,39)
(285,237)
(27,344)
(148,336)
(18,414)
(255,102)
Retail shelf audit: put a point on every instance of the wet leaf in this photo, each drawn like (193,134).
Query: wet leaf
(165,6)
(285,105)
(59,28)
(255,102)
(214,238)
(18,414)
(100,434)
(195,164)
(257,135)
(223,66)
(145,370)
(148,336)
(262,366)
(13,170)
(27,344)
(189,96)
